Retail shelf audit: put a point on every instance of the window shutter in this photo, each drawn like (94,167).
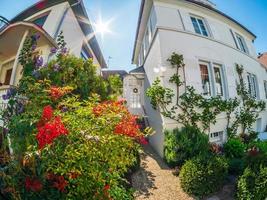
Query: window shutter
(232,33)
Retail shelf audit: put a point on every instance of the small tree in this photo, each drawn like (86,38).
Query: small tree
(191,108)
(248,110)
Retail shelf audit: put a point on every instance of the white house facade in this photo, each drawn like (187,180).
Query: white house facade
(211,43)
(47,18)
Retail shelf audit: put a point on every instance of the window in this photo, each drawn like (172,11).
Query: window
(241,43)
(199,26)
(8,77)
(212,79)
(265,88)
(205,79)
(218,80)
(252,85)
(216,136)
(40,20)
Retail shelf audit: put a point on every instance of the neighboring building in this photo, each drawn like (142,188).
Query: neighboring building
(48,18)
(107,73)
(211,43)
(263,59)
(133,91)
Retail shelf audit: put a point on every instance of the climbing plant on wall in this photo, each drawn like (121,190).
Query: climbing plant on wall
(191,108)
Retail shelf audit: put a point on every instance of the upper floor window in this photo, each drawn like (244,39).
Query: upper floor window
(40,20)
(265,88)
(212,79)
(199,26)
(241,43)
(252,85)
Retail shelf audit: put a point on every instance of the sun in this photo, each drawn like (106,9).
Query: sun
(101,27)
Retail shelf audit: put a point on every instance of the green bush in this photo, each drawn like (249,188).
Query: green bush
(203,175)
(252,185)
(184,144)
(66,143)
(236,166)
(234,148)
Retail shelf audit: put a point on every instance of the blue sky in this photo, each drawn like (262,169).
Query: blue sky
(124,15)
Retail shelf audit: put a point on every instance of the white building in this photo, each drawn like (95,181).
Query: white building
(211,43)
(48,18)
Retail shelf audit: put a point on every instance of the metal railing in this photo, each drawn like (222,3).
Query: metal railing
(3,23)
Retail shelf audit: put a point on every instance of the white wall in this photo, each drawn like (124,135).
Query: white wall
(168,16)
(176,34)
(73,34)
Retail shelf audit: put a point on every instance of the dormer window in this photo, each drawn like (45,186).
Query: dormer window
(241,43)
(199,26)
(40,20)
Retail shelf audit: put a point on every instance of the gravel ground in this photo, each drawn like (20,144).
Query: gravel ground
(155,181)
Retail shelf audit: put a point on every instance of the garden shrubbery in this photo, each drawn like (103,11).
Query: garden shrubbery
(201,176)
(252,185)
(184,144)
(67,143)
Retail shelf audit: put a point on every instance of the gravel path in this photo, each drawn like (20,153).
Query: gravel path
(155,181)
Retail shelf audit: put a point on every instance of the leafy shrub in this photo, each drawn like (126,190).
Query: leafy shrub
(184,144)
(66,142)
(252,185)
(203,175)
(236,166)
(256,155)
(234,148)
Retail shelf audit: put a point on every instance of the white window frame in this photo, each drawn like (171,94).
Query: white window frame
(212,78)
(241,43)
(252,85)
(265,88)
(209,75)
(204,22)
(216,137)
(223,84)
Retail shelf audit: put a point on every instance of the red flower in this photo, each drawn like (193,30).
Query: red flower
(47,113)
(107,187)
(48,131)
(143,140)
(33,184)
(128,126)
(60,183)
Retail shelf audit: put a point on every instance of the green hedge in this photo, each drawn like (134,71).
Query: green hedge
(203,175)
(252,185)
(234,148)
(184,144)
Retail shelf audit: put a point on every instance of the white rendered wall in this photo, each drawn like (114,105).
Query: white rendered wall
(176,34)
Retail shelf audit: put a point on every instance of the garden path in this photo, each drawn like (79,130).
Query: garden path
(155,181)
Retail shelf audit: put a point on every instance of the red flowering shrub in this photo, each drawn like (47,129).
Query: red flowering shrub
(58,92)
(47,113)
(110,107)
(33,184)
(48,128)
(58,182)
(127,126)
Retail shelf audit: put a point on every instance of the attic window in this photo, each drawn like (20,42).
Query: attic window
(40,20)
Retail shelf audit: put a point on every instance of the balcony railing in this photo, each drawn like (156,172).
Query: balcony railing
(3,23)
